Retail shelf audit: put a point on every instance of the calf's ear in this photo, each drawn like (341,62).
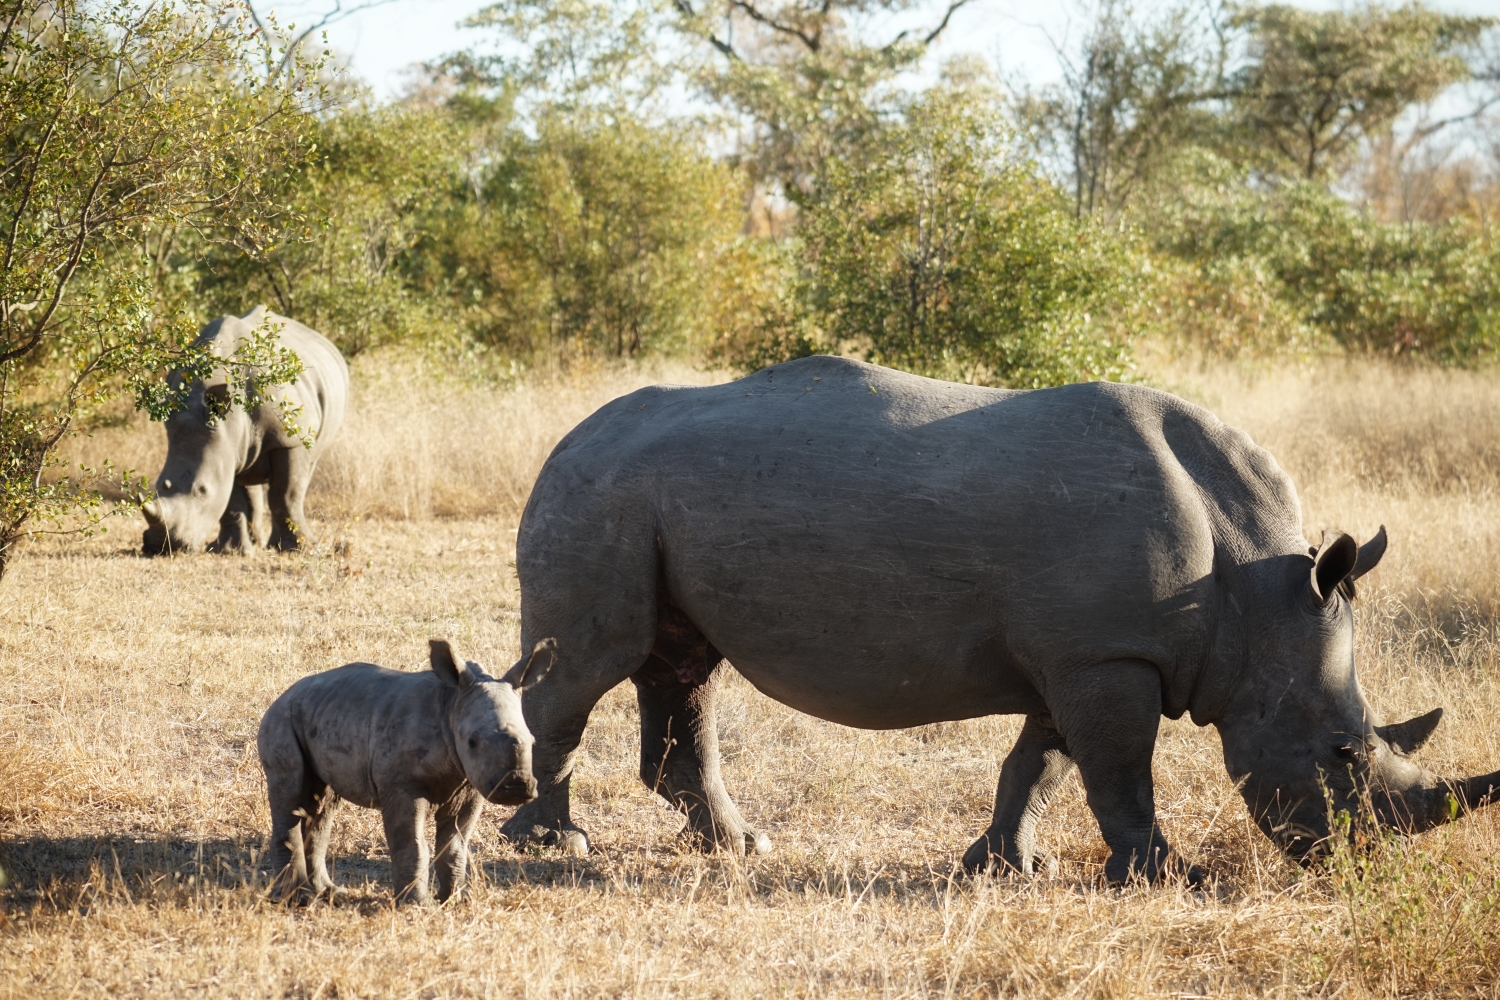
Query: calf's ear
(450,668)
(533,668)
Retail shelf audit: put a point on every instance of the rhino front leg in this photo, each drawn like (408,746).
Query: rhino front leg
(406,837)
(291,472)
(680,757)
(1110,715)
(456,820)
(235,532)
(558,729)
(1029,779)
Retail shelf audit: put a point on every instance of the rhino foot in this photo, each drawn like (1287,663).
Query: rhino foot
(742,842)
(569,839)
(978,860)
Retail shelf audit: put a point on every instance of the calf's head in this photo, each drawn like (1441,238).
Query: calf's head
(1297,732)
(489,732)
(204,445)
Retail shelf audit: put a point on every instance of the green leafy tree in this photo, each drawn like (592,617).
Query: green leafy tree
(115,120)
(1134,93)
(947,255)
(1313,260)
(595,237)
(808,80)
(1318,83)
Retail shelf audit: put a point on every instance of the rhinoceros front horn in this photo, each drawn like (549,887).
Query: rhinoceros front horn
(151,512)
(1446,801)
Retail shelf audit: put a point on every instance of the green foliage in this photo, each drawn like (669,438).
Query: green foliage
(1415,913)
(806,80)
(369,192)
(115,121)
(944,254)
(594,236)
(1363,284)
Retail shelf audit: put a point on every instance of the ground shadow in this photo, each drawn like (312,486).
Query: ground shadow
(76,873)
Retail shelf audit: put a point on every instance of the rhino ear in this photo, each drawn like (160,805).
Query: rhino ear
(533,668)
(1332,564)
(1369,554)
(1405,737)
(451,669)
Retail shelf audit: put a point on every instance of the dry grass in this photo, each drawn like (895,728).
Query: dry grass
(132,820)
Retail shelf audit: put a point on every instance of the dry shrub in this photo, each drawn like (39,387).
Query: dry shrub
(132,819)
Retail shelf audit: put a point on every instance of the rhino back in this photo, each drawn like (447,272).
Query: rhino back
(882,549)
(321,391)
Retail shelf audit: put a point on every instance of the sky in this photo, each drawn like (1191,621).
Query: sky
(381,44)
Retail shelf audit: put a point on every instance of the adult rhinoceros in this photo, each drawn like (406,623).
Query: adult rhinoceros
(221,475)
(882,550)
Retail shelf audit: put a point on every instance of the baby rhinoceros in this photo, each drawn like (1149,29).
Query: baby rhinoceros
(409,744)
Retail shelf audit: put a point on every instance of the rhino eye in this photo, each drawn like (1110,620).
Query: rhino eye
(473,743)
(1349,751)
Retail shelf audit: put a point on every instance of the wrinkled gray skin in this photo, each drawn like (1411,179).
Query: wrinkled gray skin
(241,481)
(413,745)
(883,550)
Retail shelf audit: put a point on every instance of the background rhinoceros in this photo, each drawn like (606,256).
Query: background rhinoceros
(883,550)
(241,480)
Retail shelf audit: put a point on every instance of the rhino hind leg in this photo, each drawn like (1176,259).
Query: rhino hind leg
(294,794)
(291,472)
(680,754)
(1030,778)
(316,828)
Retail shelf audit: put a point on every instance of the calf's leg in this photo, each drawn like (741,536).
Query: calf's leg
(680,757)
(317,826)
(1029,779)
(405,820)
(456,820)
(292,791)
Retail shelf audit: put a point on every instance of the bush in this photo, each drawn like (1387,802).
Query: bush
(370,193)
(1314,261)
(597,236)
(945,254)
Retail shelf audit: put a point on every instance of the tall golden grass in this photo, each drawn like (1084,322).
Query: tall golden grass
(132,825)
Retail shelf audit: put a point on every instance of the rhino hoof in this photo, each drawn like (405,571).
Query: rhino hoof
(760,843)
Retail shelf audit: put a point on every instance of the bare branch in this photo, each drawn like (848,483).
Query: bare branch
(953,7)
(337,14)
(686,9)
(813,42)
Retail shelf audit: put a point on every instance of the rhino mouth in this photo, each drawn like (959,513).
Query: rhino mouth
(513,790)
